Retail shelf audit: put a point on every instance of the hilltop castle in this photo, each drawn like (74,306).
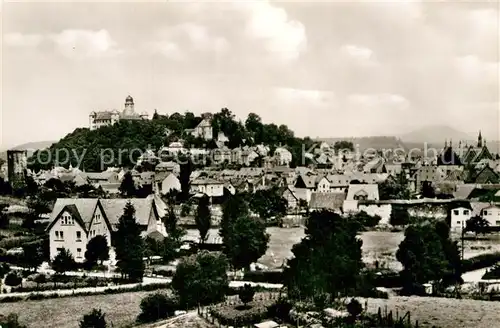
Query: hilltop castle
(105,118)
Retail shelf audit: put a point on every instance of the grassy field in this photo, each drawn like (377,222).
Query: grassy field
(377,245)
(442,312)
(121,310)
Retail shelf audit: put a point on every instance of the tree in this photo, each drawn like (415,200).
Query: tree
(201,279)
(63,262)
(246,294)
(451,251)
(428,190)
(97,250)
(423,258)
(246,241)
(186,168)
(38,205)
(127,187)
(328,260)
(392,189)
(4,218)
(234,207)
(174,236)
(477,224)
(157,306)
(355,309)
(94,319)
(13,279)
(268,203)
(203,218)
(399,216)
(343,145)
(32,256)
(129,245)
(366,220)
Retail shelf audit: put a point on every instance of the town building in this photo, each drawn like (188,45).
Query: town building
(75,221)
(106,118)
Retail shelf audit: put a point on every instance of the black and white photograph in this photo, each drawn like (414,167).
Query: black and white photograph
(250,164)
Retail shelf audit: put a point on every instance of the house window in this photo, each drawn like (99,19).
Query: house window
(485,212)
(455,212)
(466,212)
(59,235)
(458,222)
(78,236)
(78,252)
(59,249)
(497,223)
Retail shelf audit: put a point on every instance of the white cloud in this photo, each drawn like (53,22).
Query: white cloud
(378,101)
(472,68)
(283,37)
(176,41)
(312,97)
(357,52)
(22,40)
(85,43)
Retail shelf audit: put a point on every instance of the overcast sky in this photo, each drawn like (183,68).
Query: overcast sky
(324,69)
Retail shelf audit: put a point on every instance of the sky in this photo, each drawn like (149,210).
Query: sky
(328,69)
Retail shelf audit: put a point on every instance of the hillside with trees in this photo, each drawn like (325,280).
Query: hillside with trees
(122,143)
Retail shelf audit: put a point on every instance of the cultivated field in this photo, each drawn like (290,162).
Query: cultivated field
(442,312)
(121,310)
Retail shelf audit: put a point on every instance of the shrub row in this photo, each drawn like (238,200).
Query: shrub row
(480,261)
(273,277)
(38,296)
(164,273)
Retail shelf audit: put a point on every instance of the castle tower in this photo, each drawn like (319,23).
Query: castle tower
(129,107)
(479,140)
(17,165)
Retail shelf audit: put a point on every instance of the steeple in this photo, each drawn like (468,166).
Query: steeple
(479,140)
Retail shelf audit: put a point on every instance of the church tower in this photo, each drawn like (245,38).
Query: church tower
(479,140)
(129,107)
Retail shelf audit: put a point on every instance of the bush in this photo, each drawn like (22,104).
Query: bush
(354,308)
(280,309)
(164,273)
(246,294)
(10,321)
(12,279)
(480,262)
(494,273)
(157,306)
(240,316)
(94,319)
(273,277)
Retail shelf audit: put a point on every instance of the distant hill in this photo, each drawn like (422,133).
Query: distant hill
(378,142)
(436,135)
(31,147)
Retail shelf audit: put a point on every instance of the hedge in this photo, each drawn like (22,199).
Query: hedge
(480,261)
(240,315)
(274,277)
(38,296)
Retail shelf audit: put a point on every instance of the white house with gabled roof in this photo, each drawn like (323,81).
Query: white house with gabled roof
(75,221)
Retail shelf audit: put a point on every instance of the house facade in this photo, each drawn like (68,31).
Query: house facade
(209,187)
(459,217)
(75,221)
(492,215)
(204,130)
